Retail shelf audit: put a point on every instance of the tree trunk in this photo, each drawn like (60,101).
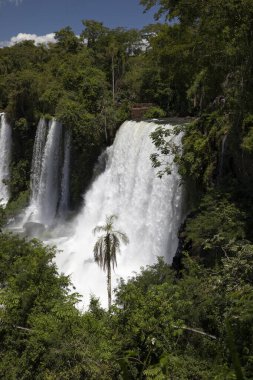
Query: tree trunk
(109,275)
(109,285)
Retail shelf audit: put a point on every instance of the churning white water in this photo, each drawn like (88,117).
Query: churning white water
(5,157)
(148,210)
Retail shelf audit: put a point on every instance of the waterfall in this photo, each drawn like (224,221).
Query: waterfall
(48,194)
(5,157)
(64,200)
(223,147)
(148,210)
(45,174)
(38,150)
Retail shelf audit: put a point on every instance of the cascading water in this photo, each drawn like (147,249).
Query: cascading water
(45,174)
(49,189)
(64,200)
(5,157)
(38,151)
(223,148)
(148,210)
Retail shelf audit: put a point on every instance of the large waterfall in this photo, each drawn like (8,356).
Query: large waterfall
(5,156)
(49,174)
(148,210)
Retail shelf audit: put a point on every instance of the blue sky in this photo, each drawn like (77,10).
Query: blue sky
(41,17)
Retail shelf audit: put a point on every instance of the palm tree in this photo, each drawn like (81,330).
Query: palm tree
(106,249)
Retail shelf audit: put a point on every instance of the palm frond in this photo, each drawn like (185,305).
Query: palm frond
(110,219)
(108,245)
(107,227)
(115,248)
(122,236)
(98,250)
(98,229)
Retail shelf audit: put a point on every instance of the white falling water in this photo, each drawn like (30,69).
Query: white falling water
(45,175)
(223,148)
(48,190)
(5,157)
(148,210)
(64,199)
(38,151)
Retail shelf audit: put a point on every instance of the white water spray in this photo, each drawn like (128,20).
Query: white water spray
(5,157)
(148,210)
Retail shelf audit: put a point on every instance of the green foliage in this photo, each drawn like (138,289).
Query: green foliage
(165,148)
(154,112)
(159,318)
(195,323)
(71,80)
(2,217)
(247,142)
(160,327)
(216,223)
(67,40)
(17,205)
(201,65)
(43,335)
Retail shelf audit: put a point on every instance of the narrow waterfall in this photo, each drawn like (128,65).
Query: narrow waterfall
(148,210)
(64,199)
(223,148)
(48,194)
(45,174)
(38,151)
(5,157)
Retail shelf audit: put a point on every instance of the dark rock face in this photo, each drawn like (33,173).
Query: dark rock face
(138,110)
(183,245)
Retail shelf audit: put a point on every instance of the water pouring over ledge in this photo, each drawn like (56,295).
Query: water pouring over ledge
(149,211)
(5,158)
(49,176)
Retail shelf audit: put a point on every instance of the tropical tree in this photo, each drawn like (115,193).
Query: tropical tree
(106,249)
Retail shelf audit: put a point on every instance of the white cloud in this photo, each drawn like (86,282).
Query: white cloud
(16,2)
(47,38)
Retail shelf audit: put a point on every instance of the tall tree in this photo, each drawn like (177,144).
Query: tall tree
(93,33)
(106,249)
(67,40)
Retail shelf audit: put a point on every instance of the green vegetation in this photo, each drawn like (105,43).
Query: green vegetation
(78,80)
(189,321)
(196,324)
(154,112)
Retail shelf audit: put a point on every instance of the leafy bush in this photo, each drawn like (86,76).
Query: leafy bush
(247,142)
(154,113)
